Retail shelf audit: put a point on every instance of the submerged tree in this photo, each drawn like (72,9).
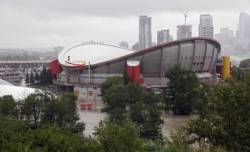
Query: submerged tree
(131,101)
(183,90)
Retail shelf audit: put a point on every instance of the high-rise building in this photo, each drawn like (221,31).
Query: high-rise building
(243,33)
(163,36)
(145,35)
(124,44)
(184,31)
(206,27)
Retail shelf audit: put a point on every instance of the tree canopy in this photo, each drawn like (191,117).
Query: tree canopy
(8,106)
(16,136)
(225,118)
(119,138)
(182,90)
(131,101)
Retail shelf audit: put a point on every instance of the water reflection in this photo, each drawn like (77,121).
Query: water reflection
(91,119)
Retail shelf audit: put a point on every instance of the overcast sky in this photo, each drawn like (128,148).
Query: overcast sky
(49,23)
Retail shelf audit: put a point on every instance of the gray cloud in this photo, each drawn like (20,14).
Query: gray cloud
(48,23)
(121,7)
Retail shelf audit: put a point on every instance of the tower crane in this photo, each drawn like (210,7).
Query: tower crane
(185,15)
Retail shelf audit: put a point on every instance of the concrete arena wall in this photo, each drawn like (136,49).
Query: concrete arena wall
(196,54)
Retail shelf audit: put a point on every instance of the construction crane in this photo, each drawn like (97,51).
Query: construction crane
(185,15)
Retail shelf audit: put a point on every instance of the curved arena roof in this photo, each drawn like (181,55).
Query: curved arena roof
(90,53)
(97,54)
(160,46)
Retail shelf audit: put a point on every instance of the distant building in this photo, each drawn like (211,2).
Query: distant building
(124,44)
(184,31)
(226,36)
(163,36)
(206,27)
(145,35)
(10,75)
(227,40)
(243,33)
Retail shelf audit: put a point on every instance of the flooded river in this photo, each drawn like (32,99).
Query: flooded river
(171,122)
(91,119)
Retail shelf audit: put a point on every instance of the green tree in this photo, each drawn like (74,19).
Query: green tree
(32,78)
(8,106)
(67,110)
(146,113)
(115,99)
(225,120)
(12,133)
(179,142)
(55,139)
(151,127)
(126,78)
(17,137)
(183,90)
(119,138)
(45,76)
(164,99)
(131,101)
(236,73)
(27,78)
(63,112)
(32,107)
(110,82)
(37,76)
(48,77)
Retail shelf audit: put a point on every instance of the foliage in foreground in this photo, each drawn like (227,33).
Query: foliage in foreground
(43,109)
(8,106)
(131,101)
(16,136)
(224,121)
(119,138)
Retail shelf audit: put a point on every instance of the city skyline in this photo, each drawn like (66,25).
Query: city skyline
(38,29)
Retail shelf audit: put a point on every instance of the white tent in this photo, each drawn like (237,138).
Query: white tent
(18,93)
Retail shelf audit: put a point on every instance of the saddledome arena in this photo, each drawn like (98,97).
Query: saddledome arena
(85,66)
